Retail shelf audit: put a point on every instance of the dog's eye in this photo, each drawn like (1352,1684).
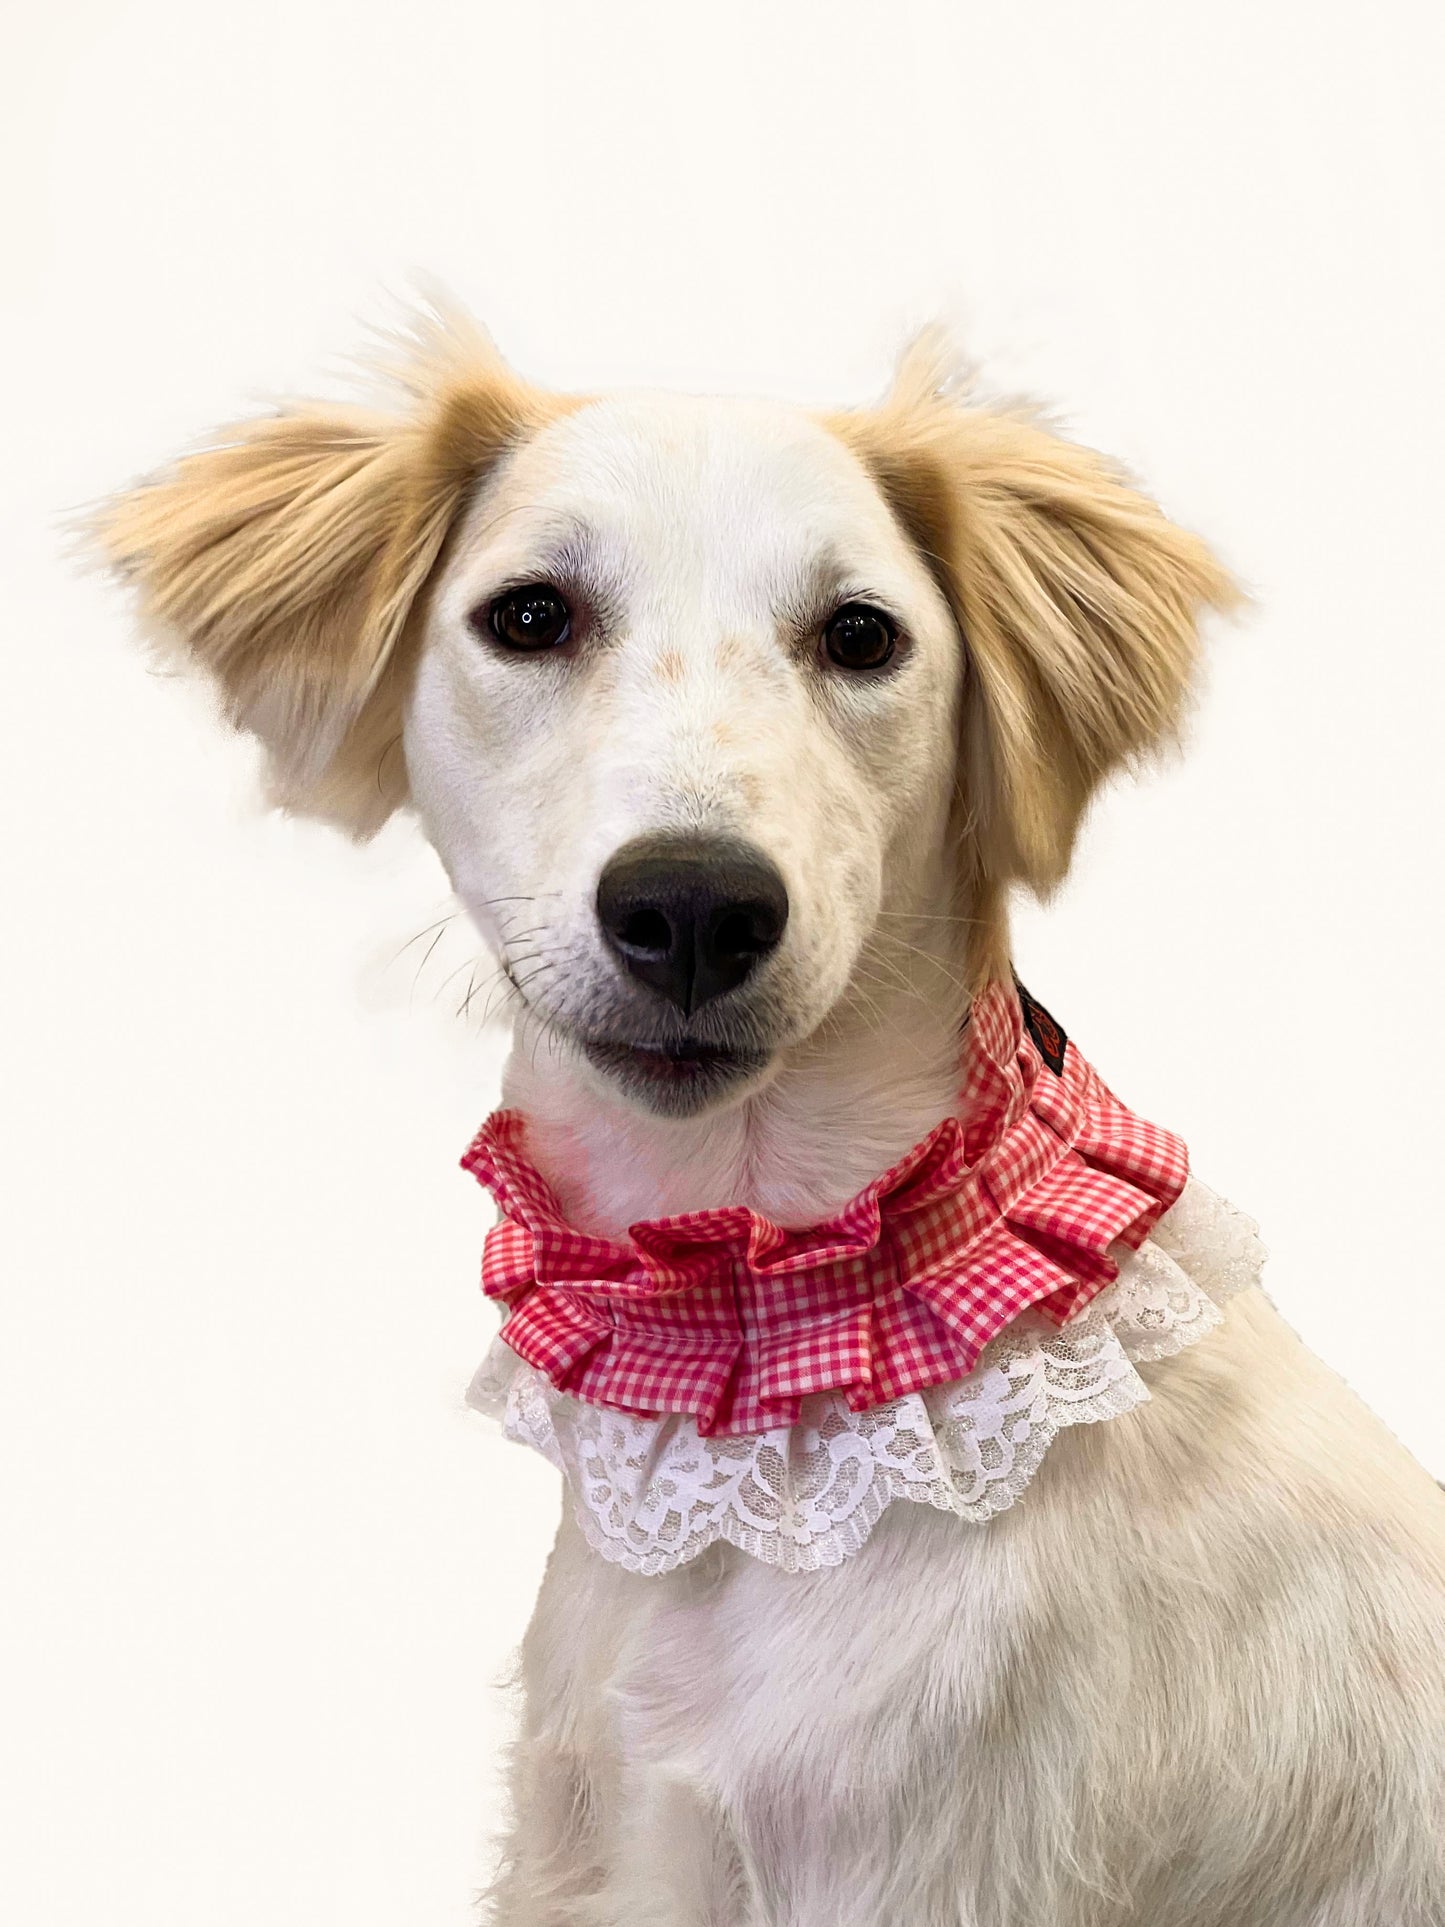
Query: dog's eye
(860,637)
(532,618)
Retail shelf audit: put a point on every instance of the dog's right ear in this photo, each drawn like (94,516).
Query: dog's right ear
(1078,605)
(288,558)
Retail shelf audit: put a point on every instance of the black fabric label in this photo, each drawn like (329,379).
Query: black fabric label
(1045,1032)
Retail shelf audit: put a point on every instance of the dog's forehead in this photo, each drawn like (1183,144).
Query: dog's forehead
(744,477)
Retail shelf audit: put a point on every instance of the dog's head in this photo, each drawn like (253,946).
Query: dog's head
(704,704)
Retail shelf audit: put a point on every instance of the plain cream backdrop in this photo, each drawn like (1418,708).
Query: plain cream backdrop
(261,1571)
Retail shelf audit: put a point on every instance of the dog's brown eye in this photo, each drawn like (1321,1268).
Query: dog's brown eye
(858,637)
(532,618)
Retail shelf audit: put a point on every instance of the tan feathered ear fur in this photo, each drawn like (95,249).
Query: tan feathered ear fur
(1078,601)
(288,558)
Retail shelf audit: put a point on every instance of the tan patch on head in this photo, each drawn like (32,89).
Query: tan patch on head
(669,666)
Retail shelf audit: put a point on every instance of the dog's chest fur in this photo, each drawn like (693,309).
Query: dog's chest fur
(1104,1707)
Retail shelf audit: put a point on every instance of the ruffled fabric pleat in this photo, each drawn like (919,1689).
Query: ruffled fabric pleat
(650,1494)
(1013,1204)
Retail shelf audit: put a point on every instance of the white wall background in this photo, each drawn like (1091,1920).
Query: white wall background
(260,1571)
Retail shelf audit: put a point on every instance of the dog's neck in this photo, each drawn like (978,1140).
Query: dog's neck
(838,1110)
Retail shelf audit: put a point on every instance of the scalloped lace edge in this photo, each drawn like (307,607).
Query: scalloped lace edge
(651,1494)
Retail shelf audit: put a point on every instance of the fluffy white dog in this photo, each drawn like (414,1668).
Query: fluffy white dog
(734,727)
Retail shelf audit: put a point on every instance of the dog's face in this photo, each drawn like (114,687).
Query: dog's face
(711,708)
(683,725)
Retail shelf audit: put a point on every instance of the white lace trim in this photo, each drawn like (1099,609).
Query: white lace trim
(650,1494)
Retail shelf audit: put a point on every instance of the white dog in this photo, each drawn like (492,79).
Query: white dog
(734,727)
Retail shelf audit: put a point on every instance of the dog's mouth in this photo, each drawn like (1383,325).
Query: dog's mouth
(674,1075)
(679,1076)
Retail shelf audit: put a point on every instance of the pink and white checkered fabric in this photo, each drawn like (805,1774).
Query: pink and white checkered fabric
(1011,1204)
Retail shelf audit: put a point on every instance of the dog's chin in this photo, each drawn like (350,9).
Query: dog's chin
(681,1079)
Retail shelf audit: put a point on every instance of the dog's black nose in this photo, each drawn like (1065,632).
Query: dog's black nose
(691,917)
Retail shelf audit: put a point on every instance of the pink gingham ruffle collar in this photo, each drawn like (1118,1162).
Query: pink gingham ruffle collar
(1015,1202)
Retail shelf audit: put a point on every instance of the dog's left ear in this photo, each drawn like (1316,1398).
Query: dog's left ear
(287,559)
(1078,602)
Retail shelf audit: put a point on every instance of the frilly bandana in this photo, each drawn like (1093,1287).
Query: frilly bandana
(1014,1203)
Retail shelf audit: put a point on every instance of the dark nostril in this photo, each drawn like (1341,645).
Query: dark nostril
(645,929)
(748,931)
(734,934)
(691,917)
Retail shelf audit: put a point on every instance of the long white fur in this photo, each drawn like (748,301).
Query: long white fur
(1198,1675)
